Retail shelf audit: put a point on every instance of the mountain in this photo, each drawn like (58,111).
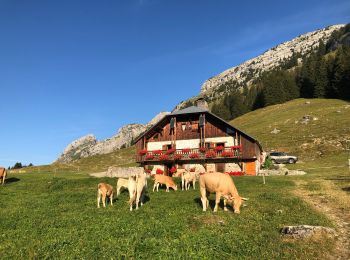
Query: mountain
(246,73)
(88,145)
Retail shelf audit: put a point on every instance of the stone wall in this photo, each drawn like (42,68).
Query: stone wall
(123,172)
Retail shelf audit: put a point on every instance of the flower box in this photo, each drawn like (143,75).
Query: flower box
(177,156)
(219,148)
(236,147)
(170,151)
(227,154)
(159,171)
(173,169)
(202,149)
(236,173)
(194,156)
(163,157)
(142,152)
(186,150)
(149,157)
(210,154)
(157,152)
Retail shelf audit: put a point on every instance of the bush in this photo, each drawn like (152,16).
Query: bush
(268,164)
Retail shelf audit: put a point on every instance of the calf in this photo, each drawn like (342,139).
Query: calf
(162,179)
(222,185)
(121,183)
(2,175)
(104,190)
(132,187)
(188,178)
(141,186)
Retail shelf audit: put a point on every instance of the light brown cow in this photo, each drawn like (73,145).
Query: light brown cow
(122,183)
(104,190)
(139,189)
(221,184)
(3,173)
(162,179)
(188,178)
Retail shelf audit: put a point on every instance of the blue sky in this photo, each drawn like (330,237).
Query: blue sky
(70,68)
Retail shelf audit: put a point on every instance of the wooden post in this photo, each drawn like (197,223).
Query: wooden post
(205,122)
(175,126)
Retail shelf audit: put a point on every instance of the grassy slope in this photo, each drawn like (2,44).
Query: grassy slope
(123,158)
(43,216)
(321,137)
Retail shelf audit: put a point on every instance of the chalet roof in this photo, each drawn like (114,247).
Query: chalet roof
(195,110)
(189,110)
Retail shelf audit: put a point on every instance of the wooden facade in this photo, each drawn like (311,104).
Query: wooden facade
(197,129)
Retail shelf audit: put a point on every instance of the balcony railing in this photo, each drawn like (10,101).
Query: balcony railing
(188,154)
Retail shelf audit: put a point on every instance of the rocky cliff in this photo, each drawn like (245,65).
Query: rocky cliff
(272,58)
(88,145)
(245,73)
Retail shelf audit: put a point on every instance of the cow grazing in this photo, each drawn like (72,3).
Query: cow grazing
(104,190)
(222,185)
(189,177)
(162,179)
(3,173)
(121,183)
(141,186)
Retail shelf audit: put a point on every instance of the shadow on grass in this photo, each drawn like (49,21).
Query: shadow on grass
(211,203)
(346,189)
(339,178)
(11,180)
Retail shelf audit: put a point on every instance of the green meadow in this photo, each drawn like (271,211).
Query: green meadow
(55,216)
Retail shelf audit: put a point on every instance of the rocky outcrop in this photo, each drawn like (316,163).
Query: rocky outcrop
(245,73)
(304,231)
(272,58)
(88,145)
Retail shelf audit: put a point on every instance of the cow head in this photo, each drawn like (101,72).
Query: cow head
(236,203)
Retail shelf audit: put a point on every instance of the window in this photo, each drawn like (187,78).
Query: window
(155,137)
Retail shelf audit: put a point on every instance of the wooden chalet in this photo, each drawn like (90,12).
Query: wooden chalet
(195,136)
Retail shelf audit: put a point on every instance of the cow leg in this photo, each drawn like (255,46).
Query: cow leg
(182,182)
(194,184)
(217,201)
(167,188)
(204,198)
(225,202)
(154,186)
(98,198)
(137,200)
(142,197)
(118,191)
(111,198)
(104,200)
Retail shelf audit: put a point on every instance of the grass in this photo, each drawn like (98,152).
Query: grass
(43,216)
(97,163)
(319,138)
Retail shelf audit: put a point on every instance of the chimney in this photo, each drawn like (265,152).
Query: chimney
(201,103)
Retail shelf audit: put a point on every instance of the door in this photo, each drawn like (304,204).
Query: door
(250,168)
(220,167)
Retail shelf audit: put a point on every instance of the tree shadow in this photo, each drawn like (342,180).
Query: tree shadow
(11,180)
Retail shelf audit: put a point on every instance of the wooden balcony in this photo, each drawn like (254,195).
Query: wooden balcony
(184,155)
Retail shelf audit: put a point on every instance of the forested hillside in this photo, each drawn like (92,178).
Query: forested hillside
(325,73)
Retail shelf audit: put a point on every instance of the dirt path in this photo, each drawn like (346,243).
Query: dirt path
(335,204)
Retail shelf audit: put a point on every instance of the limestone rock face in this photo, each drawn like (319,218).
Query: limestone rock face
(245,73)
(270,59)
(88,145)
